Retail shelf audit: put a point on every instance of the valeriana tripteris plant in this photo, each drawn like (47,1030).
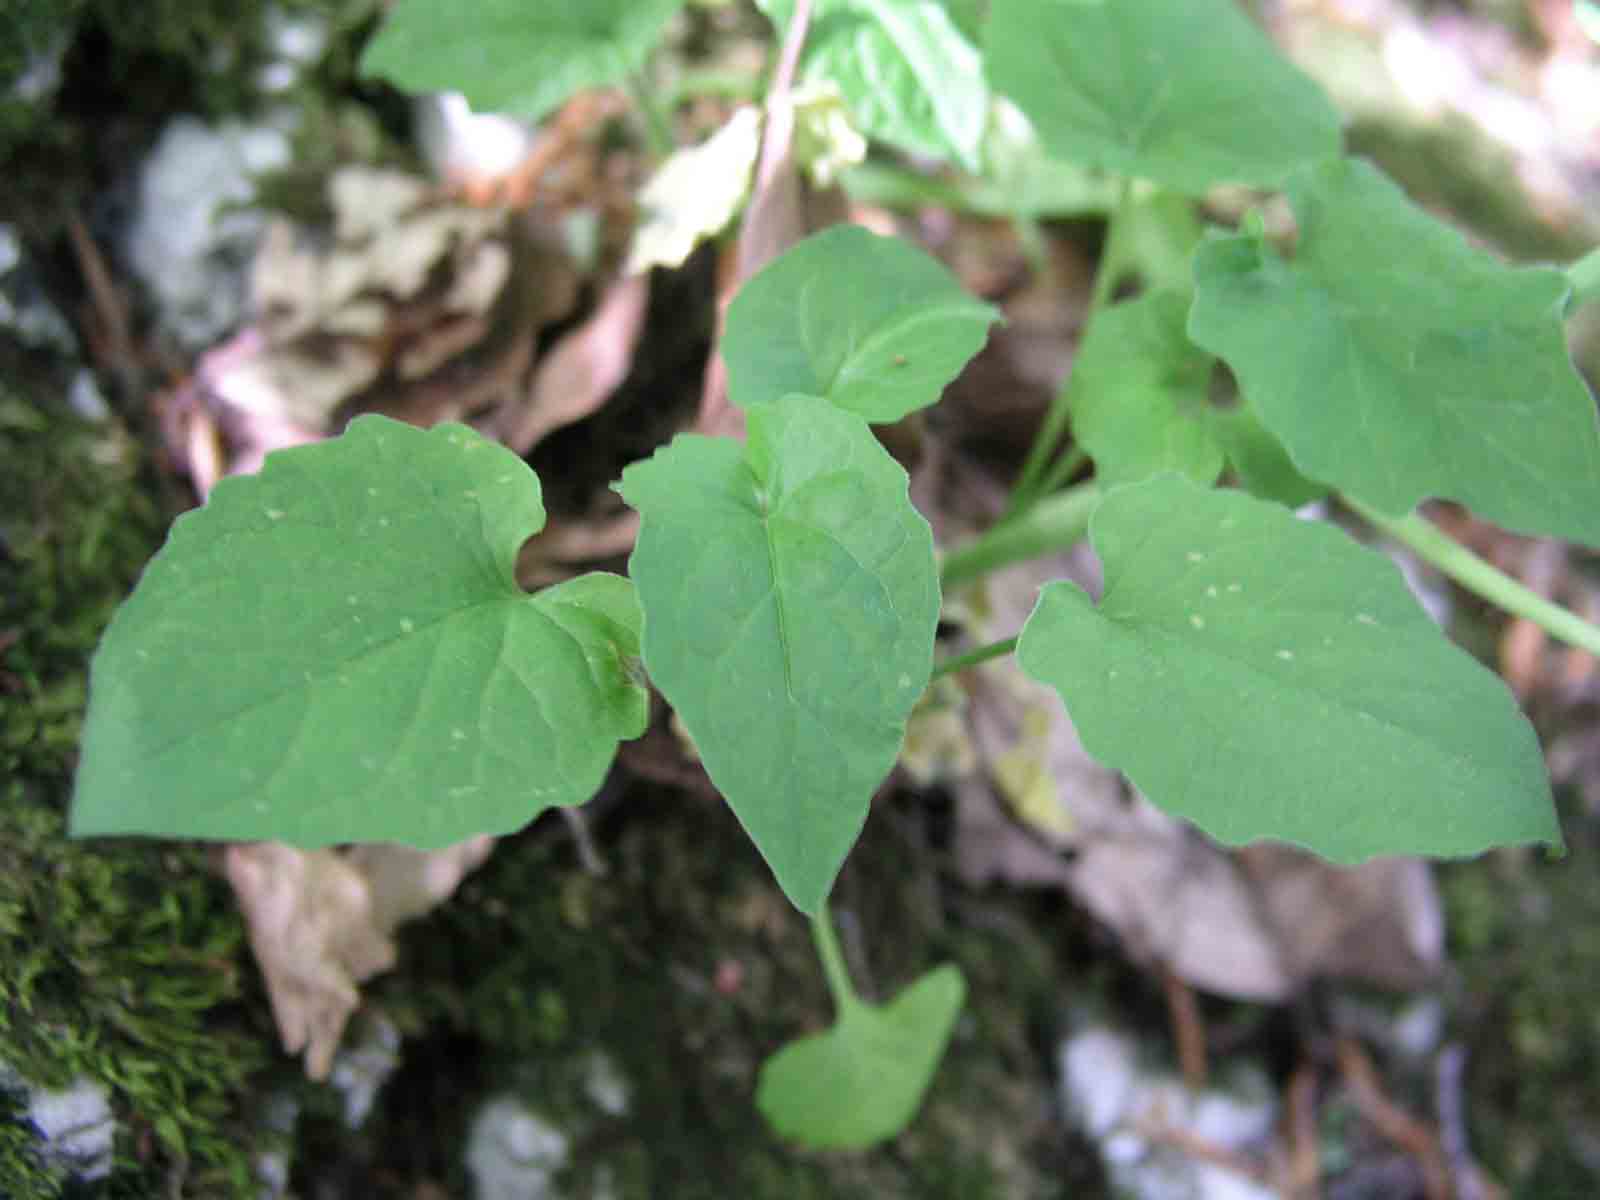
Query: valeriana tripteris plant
(336,649)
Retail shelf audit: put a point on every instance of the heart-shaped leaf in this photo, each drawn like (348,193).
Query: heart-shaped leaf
(1299,691)
(908,74)
(1189,94)
(1396,363)
(862,1081)
(336,650)
(511,55)
(790,597)
(870,323)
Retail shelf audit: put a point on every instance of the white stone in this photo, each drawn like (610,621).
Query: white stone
(194,234)
(1117,1102)
(513,1153)
(76,1126)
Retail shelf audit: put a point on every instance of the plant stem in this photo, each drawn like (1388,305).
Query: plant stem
(1585,276)
(973,657)
(1472,573)
(1063,469)
(833,964)
(1048,440)
(658,130)
(1052,524)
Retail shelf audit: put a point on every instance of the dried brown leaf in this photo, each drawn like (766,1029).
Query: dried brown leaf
(584,369)
(321,922)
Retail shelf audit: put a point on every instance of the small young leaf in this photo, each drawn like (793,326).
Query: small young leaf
(1189,94)
(336,650)
(870,323)
(862,1081)
(514,56)
(1396,363)
(1138,394)
(908,74)
(1159,234)
(790,597)
(1266,677)
(1259,460)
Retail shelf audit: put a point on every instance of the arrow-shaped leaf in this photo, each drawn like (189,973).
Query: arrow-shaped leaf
(790,599)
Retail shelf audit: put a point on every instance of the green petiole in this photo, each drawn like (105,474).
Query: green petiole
(1472,573)
(1029,485)
(972,658)
(833,964)
(1054,523)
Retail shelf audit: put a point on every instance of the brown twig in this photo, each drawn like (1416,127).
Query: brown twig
(773,220)
(1391,1121)
(1305,1159)
(1188,1028)
(1195,1146)
(106,328)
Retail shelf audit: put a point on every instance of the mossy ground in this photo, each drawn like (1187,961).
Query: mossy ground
(120,961)
(1525,939)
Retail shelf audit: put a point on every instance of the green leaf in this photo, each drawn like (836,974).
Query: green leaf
(790,598)
(336,650)
(862,1081)
(1396,363)
(1138,394)
(1158,238)
(1266,677)
(1584,276)
(1259,460)
(870,323)
(908,74)
(1036,187)
(1189,95)
(514,56)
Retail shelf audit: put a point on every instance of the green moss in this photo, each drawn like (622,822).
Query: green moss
(121,961)
(1526,940)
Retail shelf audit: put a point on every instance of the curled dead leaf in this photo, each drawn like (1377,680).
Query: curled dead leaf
(321,922)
